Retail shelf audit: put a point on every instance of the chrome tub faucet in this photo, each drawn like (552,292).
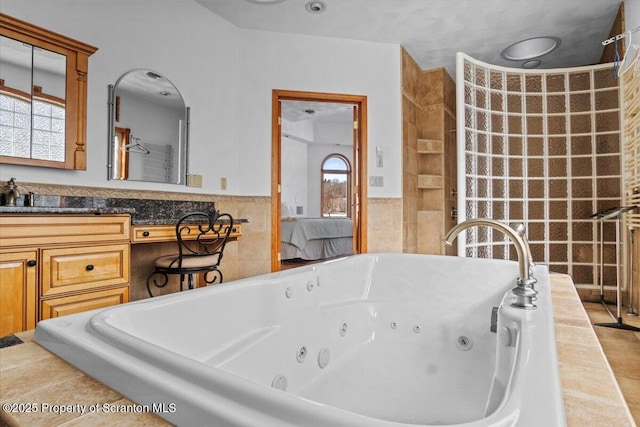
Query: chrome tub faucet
(524,291)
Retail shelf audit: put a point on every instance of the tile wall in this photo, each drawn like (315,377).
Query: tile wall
(429,157)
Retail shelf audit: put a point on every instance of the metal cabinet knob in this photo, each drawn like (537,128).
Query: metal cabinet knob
(145,233)
(89,267)
(32,263)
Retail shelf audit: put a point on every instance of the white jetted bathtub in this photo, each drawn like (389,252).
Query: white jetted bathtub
(368,340)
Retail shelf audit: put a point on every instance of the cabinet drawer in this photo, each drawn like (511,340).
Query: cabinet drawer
(81,268)
(22,230)
(153,233)
(167,233)
(62,306)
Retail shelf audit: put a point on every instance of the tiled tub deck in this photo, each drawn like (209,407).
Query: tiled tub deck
(30,374)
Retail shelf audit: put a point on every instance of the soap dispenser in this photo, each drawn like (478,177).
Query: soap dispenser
(11,194)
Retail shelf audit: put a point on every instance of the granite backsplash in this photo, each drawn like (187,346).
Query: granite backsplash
(147,211)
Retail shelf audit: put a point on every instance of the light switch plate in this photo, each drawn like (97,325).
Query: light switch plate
(194,180)
(376,181)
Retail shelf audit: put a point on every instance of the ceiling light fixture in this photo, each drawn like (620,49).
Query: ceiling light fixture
(530,48)
(532,63)
(315,6)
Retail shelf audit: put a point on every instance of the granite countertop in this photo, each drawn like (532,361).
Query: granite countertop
(171,221)
(31,374)
(142,211)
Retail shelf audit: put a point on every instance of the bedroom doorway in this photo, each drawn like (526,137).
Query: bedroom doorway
(318,154)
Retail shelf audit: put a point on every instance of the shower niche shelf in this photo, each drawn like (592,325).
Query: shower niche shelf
(430,146)
(430,181)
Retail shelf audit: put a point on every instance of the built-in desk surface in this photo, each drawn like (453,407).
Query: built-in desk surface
(153,233)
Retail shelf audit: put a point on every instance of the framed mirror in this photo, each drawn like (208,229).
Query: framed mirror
(43,87)
(148,129)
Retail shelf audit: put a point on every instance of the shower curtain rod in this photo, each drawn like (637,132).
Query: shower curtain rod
(620,36)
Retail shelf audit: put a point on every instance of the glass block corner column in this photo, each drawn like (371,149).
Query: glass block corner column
(540,147)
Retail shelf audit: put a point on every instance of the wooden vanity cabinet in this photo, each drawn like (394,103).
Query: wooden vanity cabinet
(52,265)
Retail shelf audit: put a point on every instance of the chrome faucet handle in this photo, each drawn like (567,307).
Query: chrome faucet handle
(525,295)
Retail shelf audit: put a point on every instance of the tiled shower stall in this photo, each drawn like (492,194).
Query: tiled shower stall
(541,147)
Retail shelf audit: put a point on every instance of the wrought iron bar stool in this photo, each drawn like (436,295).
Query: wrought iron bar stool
(202,237)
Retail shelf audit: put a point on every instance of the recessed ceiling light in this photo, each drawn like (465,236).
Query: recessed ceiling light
(532,63)
(315,6)
(530,48)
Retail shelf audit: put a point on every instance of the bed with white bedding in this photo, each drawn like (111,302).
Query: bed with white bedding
(316,238)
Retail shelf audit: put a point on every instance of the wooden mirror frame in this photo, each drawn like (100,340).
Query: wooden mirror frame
(77,54)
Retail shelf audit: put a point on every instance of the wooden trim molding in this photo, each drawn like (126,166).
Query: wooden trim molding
(77,68)
(359,165)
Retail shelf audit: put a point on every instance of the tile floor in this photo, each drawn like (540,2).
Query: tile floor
(622,348)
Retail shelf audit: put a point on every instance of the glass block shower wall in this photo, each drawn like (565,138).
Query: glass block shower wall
(542,148)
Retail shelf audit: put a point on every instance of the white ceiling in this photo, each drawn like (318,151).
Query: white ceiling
(319,112)
(433,31)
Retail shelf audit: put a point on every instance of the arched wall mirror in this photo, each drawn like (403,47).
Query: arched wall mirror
(43,79)
(148,129)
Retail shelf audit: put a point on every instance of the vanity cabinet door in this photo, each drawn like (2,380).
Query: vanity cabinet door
(18,297)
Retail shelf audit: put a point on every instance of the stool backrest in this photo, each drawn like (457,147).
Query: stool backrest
(201,234)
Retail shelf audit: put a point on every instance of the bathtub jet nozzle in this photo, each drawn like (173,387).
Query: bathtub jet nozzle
(524,292)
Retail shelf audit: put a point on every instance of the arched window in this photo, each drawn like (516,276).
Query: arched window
(336,186)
